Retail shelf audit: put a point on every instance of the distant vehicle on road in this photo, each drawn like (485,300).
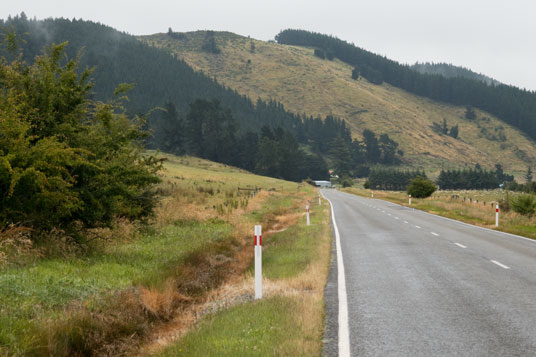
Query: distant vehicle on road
(323,184)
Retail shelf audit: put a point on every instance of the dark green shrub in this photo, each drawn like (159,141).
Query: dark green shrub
(420,187)
(346,181)
(524,204)
(66,161)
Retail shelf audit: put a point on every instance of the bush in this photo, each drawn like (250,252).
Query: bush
(366,185)
(420,187)
(66,161)
(346,181)
(524,204)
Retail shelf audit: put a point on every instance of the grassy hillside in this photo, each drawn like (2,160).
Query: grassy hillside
(307,84)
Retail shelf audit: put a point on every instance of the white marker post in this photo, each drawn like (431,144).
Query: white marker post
(372,194)
(410,200)
(258,262)
(497,216)
(319,202)
(308,219)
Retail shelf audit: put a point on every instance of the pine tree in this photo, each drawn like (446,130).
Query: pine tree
(454,131)
(528,175)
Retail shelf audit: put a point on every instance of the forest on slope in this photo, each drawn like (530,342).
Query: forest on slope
(450,71)
(305,83)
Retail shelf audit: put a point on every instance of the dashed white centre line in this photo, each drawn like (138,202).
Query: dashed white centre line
(397,218)
(418,227)
(406,222)
(500,264)
(434,233)
(460,245)
(388,214)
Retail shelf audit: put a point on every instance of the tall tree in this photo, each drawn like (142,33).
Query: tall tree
(371,145)
(528,175)
(67,162)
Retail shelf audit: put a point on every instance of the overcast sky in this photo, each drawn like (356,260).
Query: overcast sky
(493,37)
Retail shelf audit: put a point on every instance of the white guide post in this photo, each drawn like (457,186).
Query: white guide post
(308,219)
(497,216)
(372,194)
(319,202)
(410,200)
(258,262)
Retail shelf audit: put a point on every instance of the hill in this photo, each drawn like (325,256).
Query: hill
(118,57)
(514,106)
(305,83)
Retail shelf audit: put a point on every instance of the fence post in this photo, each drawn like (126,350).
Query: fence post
(258,262)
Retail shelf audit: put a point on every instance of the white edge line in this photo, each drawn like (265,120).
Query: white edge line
(500,264)
(344,333)
(460,245)
(465,224)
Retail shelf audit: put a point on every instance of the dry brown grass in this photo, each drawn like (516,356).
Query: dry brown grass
(307,288)
(15,242)
(478,208)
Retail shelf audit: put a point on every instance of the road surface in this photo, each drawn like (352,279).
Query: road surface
(421,285)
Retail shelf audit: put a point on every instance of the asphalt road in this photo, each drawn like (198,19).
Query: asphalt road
(421,285)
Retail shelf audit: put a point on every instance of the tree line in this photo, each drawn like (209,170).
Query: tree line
(466,179)
(391,179)
(210,131)
(473,179)
(514,106)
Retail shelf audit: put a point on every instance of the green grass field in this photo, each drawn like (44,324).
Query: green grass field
(263,328)
(32,294)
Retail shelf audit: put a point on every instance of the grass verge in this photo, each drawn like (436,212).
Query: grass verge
(289,319)
(473,207)
(108,300)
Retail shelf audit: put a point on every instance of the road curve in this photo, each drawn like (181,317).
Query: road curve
(422,285)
